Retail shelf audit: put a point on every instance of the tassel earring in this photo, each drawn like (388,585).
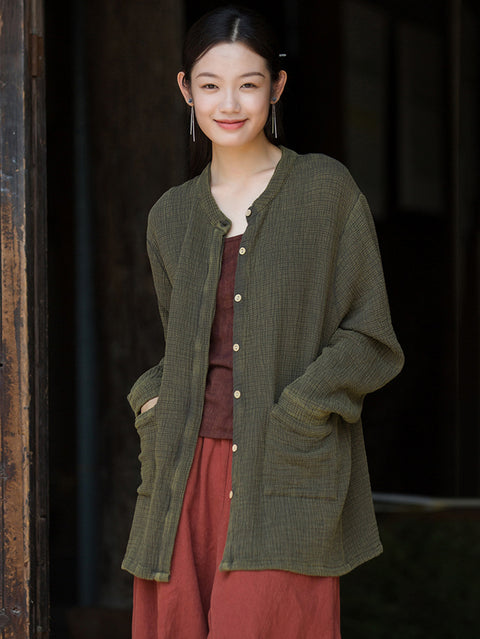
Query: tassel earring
(192,120)
(274,119)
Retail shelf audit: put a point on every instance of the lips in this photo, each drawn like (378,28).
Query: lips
(230,125)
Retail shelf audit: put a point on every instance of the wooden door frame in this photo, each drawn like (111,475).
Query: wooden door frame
(24,607)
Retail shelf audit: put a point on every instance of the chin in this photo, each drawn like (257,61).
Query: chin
(231,140)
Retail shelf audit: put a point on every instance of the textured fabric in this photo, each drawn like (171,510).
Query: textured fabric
(217,419)
(314,333)
(200,601)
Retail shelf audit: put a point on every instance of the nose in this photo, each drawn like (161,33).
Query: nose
(230,103)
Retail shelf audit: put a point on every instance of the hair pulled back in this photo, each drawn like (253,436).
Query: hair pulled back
(230,23)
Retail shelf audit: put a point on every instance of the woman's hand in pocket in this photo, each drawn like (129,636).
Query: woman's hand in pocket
(148,405)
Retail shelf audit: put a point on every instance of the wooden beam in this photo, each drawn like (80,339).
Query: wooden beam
(23,351)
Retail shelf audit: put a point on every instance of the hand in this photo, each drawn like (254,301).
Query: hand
(148,405)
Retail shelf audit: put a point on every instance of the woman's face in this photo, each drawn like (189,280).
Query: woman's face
(232,90)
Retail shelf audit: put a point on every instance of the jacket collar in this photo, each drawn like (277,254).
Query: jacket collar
(210,207)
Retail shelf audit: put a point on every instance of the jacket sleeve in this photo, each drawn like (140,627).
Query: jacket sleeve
(363,353)
(147,385)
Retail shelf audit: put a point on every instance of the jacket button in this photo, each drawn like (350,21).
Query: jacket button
(242,250)
(234,448)
(237,394)
(236,347)
(238,297)
(248,213)
(230,494)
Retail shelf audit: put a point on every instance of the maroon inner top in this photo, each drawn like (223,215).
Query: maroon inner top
(217,419)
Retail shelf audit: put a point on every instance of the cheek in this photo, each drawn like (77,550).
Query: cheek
(264,110)
(206,103)
(261,103)
(204,116)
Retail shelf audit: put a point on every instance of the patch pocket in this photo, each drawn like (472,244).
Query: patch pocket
(145,425)
(300,459)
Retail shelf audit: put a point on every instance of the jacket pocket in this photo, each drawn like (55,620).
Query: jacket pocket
(300,458)
(146,429)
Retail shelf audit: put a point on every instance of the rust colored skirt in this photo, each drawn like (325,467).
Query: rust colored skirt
(200,602)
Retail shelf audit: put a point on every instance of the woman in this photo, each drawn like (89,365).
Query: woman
(255,493)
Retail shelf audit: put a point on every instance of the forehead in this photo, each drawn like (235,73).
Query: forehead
(230,57)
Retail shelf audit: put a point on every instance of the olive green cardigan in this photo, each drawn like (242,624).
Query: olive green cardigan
(312,322)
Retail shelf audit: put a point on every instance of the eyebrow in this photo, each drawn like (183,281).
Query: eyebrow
(207,74)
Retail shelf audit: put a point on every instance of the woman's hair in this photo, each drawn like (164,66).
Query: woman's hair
(230,23)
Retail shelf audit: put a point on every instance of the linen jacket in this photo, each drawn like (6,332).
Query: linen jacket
(314,336)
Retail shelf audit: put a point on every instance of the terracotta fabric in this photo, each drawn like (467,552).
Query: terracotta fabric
(217,418)
(200,602)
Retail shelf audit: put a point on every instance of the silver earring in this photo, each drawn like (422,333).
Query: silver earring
(274,120)
(192,120)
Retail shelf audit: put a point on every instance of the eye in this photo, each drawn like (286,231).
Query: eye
(209,86)
(249,85)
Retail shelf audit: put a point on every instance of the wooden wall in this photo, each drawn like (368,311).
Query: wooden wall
(23,373)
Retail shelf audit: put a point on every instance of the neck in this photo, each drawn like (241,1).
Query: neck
(231,164)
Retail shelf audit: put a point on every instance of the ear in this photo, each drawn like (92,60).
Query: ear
(279,85)
(184,88)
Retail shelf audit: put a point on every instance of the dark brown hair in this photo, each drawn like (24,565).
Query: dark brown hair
(231,23)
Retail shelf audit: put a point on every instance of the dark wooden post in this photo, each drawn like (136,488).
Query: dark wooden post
(23,354)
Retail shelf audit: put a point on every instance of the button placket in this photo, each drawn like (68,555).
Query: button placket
(237,347)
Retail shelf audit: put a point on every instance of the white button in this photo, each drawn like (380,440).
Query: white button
(242,250)
(234,448)
(248,213)
(236,347)
(230,494)
(238,297)
(237,394)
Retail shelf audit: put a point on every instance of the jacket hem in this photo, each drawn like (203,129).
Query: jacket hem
(145,573)
(304,569)
(338,570)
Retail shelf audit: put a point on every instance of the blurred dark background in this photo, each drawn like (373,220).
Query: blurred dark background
(390,88)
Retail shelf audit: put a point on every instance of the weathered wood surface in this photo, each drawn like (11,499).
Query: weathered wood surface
(23,386)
